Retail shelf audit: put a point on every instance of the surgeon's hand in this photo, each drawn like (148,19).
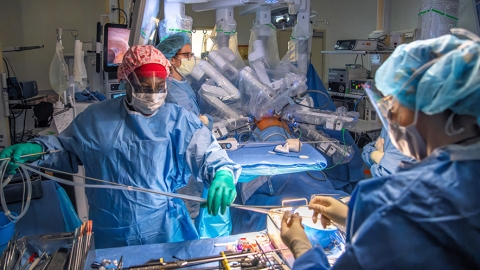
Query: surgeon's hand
(376,156)
(204,120)
(330,208)
(293,235)
(221,192)
(20,149)
(379,144)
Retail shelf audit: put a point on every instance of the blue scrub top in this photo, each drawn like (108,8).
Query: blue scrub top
(391,159)
(181,93)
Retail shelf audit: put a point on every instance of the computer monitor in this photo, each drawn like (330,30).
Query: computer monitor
(115,45)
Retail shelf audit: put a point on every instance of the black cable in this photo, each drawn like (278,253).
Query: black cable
(126,17)
(8,70)
(318,179)
(12,127)
(24,102)
(11,66)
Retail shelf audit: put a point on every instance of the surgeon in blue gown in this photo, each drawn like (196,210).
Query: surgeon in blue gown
(382,156)
(426,215)
(177,48)
(140,141)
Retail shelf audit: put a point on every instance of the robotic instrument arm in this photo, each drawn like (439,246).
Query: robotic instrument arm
(223,83)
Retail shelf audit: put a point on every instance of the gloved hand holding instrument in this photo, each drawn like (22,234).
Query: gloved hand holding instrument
(293,234)
(21,152)
(330,208)
(221,192)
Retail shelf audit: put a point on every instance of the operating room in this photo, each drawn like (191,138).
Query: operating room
(238,134)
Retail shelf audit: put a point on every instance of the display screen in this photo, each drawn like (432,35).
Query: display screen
(360,85)
(115,45)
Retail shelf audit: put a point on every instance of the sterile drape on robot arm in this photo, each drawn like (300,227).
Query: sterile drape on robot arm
(264,100)
(436,18)
(222,64)
(222,88)
(267,34)
(225,43)
(334,120)
(256,93)
(338,151)
(221,128)
(263,53)
(297,58)
(291,86)
(175,24)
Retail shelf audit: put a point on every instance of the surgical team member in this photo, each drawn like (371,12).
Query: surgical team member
(382,156)
(178,49)
(426,215)
(143,142)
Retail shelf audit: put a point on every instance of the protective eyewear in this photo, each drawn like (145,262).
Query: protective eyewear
(187,55)
(151,84)
(381,103)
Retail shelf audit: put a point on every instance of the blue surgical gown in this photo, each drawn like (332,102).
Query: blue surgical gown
(390,160)
(425,216)
(182,94)
(158,152)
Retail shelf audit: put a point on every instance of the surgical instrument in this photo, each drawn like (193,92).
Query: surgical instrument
(35,154)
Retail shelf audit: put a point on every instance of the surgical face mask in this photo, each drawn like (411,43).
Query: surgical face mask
(187,66)
(147,103)
(407,139)
(146,94)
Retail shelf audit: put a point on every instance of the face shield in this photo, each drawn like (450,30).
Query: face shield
(150,88)
(148,93)
(379,102)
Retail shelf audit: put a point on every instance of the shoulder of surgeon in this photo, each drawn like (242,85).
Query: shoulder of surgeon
(176,113)
(113,109)
(429,184)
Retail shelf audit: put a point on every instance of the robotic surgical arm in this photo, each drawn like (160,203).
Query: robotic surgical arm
(340,153)
(334,120)
(217,85)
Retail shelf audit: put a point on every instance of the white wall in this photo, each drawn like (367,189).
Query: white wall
(30,22)
(348,19)
(26,22)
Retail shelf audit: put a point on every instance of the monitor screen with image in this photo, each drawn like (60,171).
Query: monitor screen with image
(115,45)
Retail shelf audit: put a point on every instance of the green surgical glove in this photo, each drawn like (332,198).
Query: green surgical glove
(20,149)
(221,192)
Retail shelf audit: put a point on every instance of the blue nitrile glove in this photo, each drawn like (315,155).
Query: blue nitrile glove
(20,149)
(221,192)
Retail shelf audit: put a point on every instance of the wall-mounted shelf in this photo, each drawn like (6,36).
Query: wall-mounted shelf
(338,94)
(356,52)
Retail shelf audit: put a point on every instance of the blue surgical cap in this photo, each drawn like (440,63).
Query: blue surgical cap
(452,82)
(172,44)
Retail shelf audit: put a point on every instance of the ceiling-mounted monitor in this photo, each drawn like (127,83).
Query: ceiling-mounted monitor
(115,45)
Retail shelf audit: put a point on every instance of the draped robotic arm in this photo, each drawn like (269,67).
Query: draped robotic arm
(239,95)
